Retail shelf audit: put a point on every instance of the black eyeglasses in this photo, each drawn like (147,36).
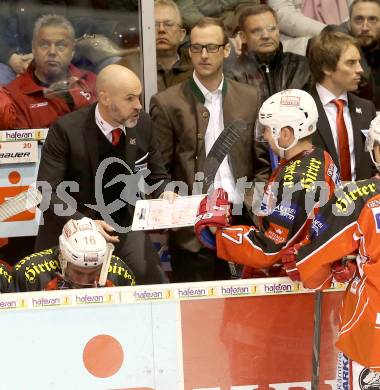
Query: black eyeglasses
(210,47)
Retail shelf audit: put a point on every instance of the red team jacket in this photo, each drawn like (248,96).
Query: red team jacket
(24,104)
(350,222)
(290,199)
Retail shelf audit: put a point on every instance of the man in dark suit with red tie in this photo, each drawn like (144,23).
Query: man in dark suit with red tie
(103,148)
(344,118)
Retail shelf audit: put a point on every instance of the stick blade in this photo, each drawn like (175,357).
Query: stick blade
(17,204)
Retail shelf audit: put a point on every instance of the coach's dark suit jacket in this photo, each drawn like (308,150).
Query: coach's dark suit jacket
(362,112)
(71,153)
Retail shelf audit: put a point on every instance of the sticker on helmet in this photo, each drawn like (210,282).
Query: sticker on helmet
(70,228)
(91,258)
(290,101)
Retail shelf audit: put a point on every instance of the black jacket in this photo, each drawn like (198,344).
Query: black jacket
(362,112)
(286,70)
(369,87)
(71,152)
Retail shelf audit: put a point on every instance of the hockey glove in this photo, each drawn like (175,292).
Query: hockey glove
(213,211)
(343,271)
(289,260)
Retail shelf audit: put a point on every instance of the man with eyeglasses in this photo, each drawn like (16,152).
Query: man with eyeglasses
(364,25)
(173,64)
(188,119)
(263,62)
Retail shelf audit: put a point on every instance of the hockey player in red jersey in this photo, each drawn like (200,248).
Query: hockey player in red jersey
(83,259)
(305,176)
(350,221)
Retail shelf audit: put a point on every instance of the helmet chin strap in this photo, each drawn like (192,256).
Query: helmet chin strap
(375,163)
(283,150)
(63,264)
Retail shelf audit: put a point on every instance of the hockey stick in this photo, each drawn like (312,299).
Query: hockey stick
(216,155)
(106,264)
(315,363)
(19,203)
(315,359)
(221,148)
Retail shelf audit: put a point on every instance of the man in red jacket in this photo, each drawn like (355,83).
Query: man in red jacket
(51,86)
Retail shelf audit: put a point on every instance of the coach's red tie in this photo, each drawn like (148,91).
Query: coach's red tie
(343,145)
(116,134)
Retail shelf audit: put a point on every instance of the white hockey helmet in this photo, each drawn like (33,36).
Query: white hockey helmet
(82,244)
(289,108)
(373,136)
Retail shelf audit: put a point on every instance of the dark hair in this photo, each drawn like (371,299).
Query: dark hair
(326,50)
(361,1)
(205,22)
(255,10)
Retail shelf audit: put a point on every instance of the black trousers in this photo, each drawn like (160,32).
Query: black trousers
(137,251)
(196,267)
(203,265)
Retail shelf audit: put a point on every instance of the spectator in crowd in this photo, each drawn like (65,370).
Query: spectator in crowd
(78,262)
(116,22)
(287,119)
(293,22)
(17,18)
(364,25)
(299,20)
(228,10)
(75,149)
(343,117)
(329,12)
(263,62)
(188,118)
(51,86)
(173,65)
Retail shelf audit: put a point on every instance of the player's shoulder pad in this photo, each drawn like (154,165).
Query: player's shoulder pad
(357,194)
(307,169)
(5,279)
(38,258)
(119,272)
(366,188)
(373,180)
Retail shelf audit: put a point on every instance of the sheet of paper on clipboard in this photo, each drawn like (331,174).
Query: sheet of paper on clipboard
(156,214)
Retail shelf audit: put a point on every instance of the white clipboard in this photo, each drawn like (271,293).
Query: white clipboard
(156,214)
